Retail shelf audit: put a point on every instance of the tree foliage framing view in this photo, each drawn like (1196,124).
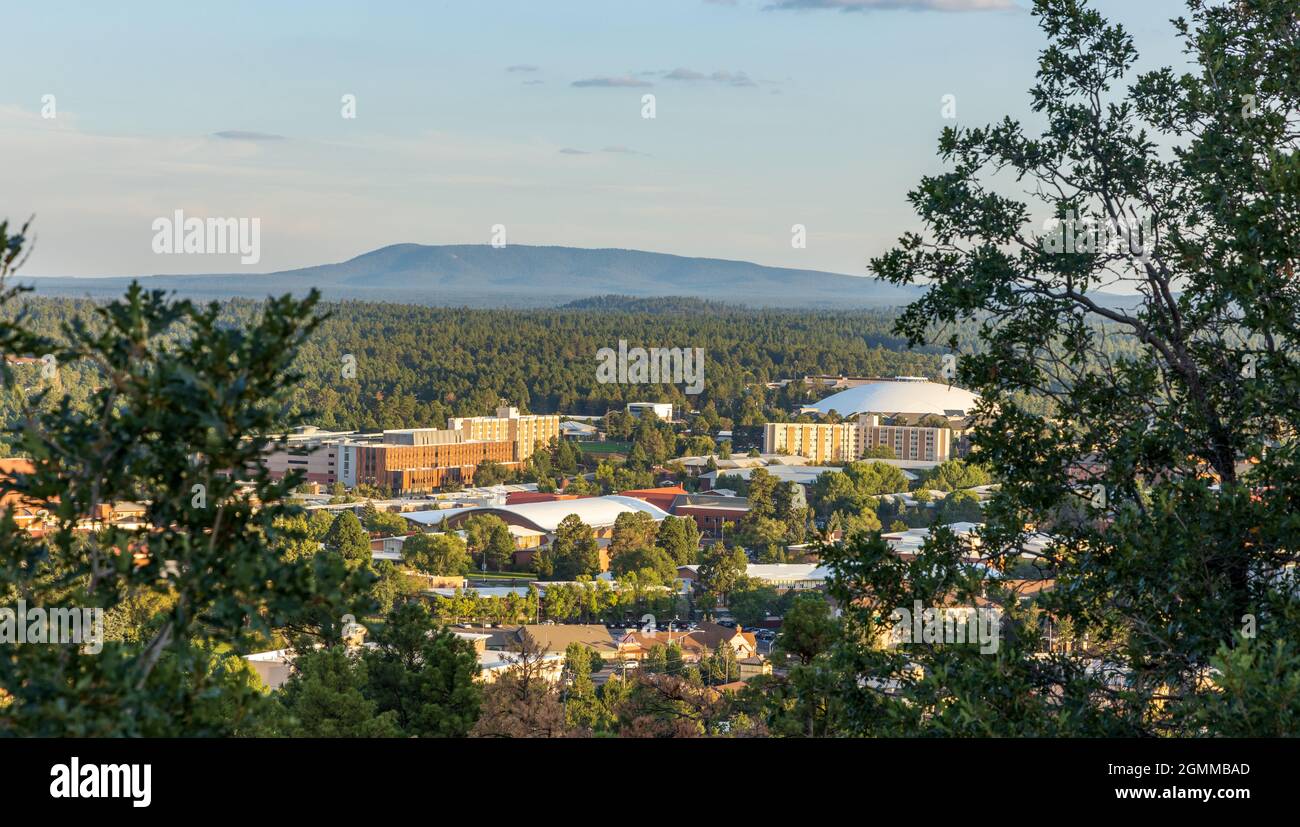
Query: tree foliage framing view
(179,402)
(1145,453)
(1167,480)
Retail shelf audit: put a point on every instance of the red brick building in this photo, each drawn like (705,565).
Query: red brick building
(403,468)
(662,497)
(710,512)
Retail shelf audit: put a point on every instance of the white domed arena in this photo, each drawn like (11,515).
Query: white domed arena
(901,395)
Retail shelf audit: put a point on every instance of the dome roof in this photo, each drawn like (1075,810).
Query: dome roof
(903,395)
(597,512)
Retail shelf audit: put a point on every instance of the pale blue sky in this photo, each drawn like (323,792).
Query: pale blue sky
(813,116)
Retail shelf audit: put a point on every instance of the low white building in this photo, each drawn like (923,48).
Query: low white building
(663,410)
(908,543)
(782,576)
(273,667)
(579,431)
(493,663)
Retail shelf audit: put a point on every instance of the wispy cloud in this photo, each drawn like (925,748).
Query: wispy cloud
(875,5)
(522,67)
(626,81)
(244,135)
(618,149)
(722,77)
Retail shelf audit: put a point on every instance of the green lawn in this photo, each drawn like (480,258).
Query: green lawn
(605,447)
(503,575)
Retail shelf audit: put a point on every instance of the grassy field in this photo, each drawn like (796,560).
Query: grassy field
(503,575)
(605,447)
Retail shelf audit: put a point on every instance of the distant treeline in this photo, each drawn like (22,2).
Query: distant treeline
(417,365)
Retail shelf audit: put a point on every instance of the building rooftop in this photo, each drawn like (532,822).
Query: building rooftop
(433,516)
(801,474)
(709,501)
(556,637)
(780,572)
(597,512)
(491,660)
(483,591)
(903,395)
(911,541)
(742,461)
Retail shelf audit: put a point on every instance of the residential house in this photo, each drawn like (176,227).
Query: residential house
(556,637)
(781,576)
(713,635)
(636,645)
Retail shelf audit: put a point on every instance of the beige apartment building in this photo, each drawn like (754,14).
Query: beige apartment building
(915,442)
(820,442)
(850,440)
(528,433)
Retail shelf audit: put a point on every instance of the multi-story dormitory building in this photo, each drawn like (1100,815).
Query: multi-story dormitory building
(416,459)
(920,420)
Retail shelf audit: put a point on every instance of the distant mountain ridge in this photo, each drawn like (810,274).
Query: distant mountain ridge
(519,276)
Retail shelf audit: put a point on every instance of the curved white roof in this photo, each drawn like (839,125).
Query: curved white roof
(546,516)
(907,396)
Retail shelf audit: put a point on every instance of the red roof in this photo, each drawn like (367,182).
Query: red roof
(662,498)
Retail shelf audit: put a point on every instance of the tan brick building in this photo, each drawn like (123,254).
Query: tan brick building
(416,459)
(850,440)
(527,432)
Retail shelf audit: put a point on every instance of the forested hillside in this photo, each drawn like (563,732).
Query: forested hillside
(415,365)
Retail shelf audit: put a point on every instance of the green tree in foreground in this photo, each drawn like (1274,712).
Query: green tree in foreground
(808,630)
(752,606)
(178,401)
(573,552)
(1174,414)
(954,475)
(348,539)
(437,554)
(582,709)
(722,571)
(325,698)
(680,538)
(384,522)
(423,674)
(488,537)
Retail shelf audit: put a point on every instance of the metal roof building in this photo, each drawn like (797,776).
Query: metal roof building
(905,394)
(597,512)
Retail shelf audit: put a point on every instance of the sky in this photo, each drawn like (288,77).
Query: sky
(521,113)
